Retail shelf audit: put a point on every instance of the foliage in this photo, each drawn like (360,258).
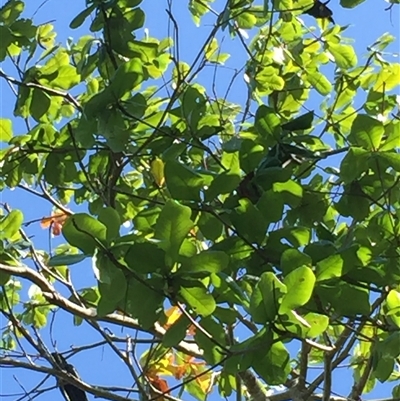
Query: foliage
(256,230)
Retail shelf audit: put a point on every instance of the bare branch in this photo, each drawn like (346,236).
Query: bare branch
(97,391)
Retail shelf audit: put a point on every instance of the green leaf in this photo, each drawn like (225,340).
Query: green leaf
(223,183)
(10,224)
(386,39)
(330,267)
(319,324)
(210,226)
(297,236)
(292,258)
(320,82)
(211,49)
(7,39)
(10,11)
(393,306)
(39,105)
(339,264)
(176,333)
(196,389)
(226,289)
(6,132)
(249,221)
(84,232)
(250,153)
(110,218)
(354,164)
(366,132)
(350,3)
(80,18)
(207,261)
(246,20)
(198,298)
(145,258)
(128,76)
(65,260)
(67,78)
(144,303)
(188,250)
(392,133)
(265,298)
(271,206)
(59,168)
(396,389)
(344,55)
(283,5)
(274,367)
(213,354)
(183,182)
(346,299)
(391,158)
(226,315)
(301,123)
(4,277)
(320,250)
(353,202)
(291,192)
(246,352)
(129,3)
(193,106)
(46,36)
(36,317)
(112,284)
(172,227)
(267,122)
(98,103)
(389,348)
(269,80)
(383,369)
(386,78)
(300,285)
(198,9)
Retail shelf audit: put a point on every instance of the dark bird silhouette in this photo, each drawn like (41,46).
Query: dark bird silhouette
(68,390)
(320,10)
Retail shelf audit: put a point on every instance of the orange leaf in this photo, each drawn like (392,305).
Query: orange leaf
(159,384)
(55,221)
(180,371)
(191,331)
(191,360)
(56,229)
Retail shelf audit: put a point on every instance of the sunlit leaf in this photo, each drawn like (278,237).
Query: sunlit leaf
(300,284)
(6,132)
(11,223)
(173,225)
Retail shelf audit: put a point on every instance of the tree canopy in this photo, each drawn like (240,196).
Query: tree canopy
(242,248)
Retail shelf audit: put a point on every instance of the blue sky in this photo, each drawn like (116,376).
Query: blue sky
(367,22)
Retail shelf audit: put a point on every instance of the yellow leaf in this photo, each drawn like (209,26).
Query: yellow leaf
(204,382)
(157,170)
(163,366)
(173,314)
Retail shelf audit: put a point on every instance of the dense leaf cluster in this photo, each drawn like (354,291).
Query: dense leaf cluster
(273,215)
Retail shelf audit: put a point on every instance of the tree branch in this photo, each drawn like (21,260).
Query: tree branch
(98,392)
(53,92)
(55,298)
